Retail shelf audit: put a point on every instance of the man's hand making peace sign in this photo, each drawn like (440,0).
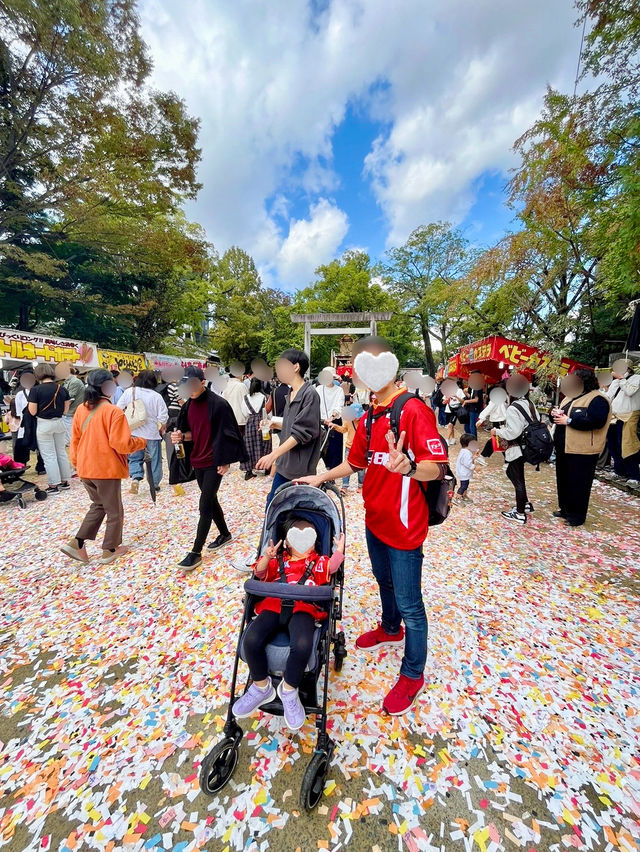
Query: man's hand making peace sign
(398,461)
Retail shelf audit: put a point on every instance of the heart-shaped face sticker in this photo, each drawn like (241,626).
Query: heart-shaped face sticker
(376,371)
(302,539)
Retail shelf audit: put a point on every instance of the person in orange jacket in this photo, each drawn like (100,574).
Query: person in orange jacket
(101,440)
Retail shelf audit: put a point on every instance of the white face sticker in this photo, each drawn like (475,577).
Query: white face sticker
(376,371)
(302,540)
(498,396)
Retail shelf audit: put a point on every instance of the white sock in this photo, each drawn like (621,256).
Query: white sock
(286,688)
(264,688)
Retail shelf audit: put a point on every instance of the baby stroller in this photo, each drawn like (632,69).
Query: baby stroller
(327,515)
(16,475)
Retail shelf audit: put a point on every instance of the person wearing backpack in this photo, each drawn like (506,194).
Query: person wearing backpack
(396,510)
(147,415)
(582,421)
(523,431)
(101,440)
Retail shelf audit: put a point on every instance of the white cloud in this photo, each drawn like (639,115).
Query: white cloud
(455,83)
(311,242)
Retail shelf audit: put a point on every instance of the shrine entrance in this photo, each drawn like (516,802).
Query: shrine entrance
(309,320)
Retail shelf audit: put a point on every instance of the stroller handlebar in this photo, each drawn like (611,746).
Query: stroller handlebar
(288,591)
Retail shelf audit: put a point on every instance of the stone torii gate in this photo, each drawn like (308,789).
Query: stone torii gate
(371,317)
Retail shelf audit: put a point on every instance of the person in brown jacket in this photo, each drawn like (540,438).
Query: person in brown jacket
(100,443)
(582,420)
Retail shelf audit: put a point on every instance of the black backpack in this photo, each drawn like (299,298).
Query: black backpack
(439,492)
(535,442)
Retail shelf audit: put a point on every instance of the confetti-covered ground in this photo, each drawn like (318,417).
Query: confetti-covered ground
(115,682)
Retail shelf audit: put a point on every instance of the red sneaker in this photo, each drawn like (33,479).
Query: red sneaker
(379,637)
(403,694)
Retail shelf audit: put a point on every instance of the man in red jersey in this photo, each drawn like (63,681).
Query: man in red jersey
(396,512)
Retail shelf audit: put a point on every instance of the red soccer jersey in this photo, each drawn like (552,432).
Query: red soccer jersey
(294,569)
(396,509)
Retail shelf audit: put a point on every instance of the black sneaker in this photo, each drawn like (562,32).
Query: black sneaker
(64,486)
(220,541)
(514,516)
(53,489)
(191,561)
(559,514)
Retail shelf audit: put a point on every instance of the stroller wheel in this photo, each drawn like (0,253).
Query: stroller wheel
(313,781)
(339,652)
(40,494)
(218,766)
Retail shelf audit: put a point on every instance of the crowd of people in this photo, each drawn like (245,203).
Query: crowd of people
(112,426)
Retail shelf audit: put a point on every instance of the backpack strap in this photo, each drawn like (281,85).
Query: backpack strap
(526,414)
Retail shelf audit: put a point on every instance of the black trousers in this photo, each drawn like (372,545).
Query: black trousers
(515,472)
(209,481)
(264,627)
(574,478)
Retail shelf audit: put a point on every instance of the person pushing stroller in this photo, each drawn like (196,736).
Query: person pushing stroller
(298,563)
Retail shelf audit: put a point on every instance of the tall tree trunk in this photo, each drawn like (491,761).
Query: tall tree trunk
(426,340)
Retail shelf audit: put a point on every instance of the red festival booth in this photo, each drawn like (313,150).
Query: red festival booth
(495,355)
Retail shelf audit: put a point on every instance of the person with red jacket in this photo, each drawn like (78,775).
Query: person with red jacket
(101,440)
(396,513)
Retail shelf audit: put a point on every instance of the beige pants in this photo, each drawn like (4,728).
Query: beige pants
(106,499)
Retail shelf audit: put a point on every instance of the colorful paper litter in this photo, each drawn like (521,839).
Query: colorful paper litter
(115,681)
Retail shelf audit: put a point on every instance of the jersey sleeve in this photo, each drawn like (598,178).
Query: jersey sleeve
(419,422)
(357,457)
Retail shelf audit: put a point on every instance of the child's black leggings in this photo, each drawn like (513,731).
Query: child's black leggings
(264,627)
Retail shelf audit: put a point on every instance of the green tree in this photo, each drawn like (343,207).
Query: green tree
(348,285)
(79,130)
(248,320)
(427,276)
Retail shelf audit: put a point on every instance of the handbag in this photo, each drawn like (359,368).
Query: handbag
(135,412)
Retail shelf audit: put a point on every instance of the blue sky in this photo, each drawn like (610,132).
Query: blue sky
(334,124)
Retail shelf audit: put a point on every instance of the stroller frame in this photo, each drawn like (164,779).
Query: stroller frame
(219,764)
(11,476)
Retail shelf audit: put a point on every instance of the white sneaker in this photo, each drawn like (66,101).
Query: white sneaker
(451,442)
(482,461)
(244,564)
(633,483)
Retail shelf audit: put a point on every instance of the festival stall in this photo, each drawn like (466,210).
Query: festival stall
(494,356)
(112,359)
(18,348)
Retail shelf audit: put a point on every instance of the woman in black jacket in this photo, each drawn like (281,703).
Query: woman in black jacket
(580,435)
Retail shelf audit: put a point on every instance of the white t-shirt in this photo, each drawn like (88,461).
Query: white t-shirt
(155,407)
(331,401)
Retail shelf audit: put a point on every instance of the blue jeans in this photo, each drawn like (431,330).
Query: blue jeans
(278,480)
(347,479)
(136,467)
(472,429)
(399,575)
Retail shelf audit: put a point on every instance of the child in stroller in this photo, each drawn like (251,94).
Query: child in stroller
(298,562)
(310,571)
